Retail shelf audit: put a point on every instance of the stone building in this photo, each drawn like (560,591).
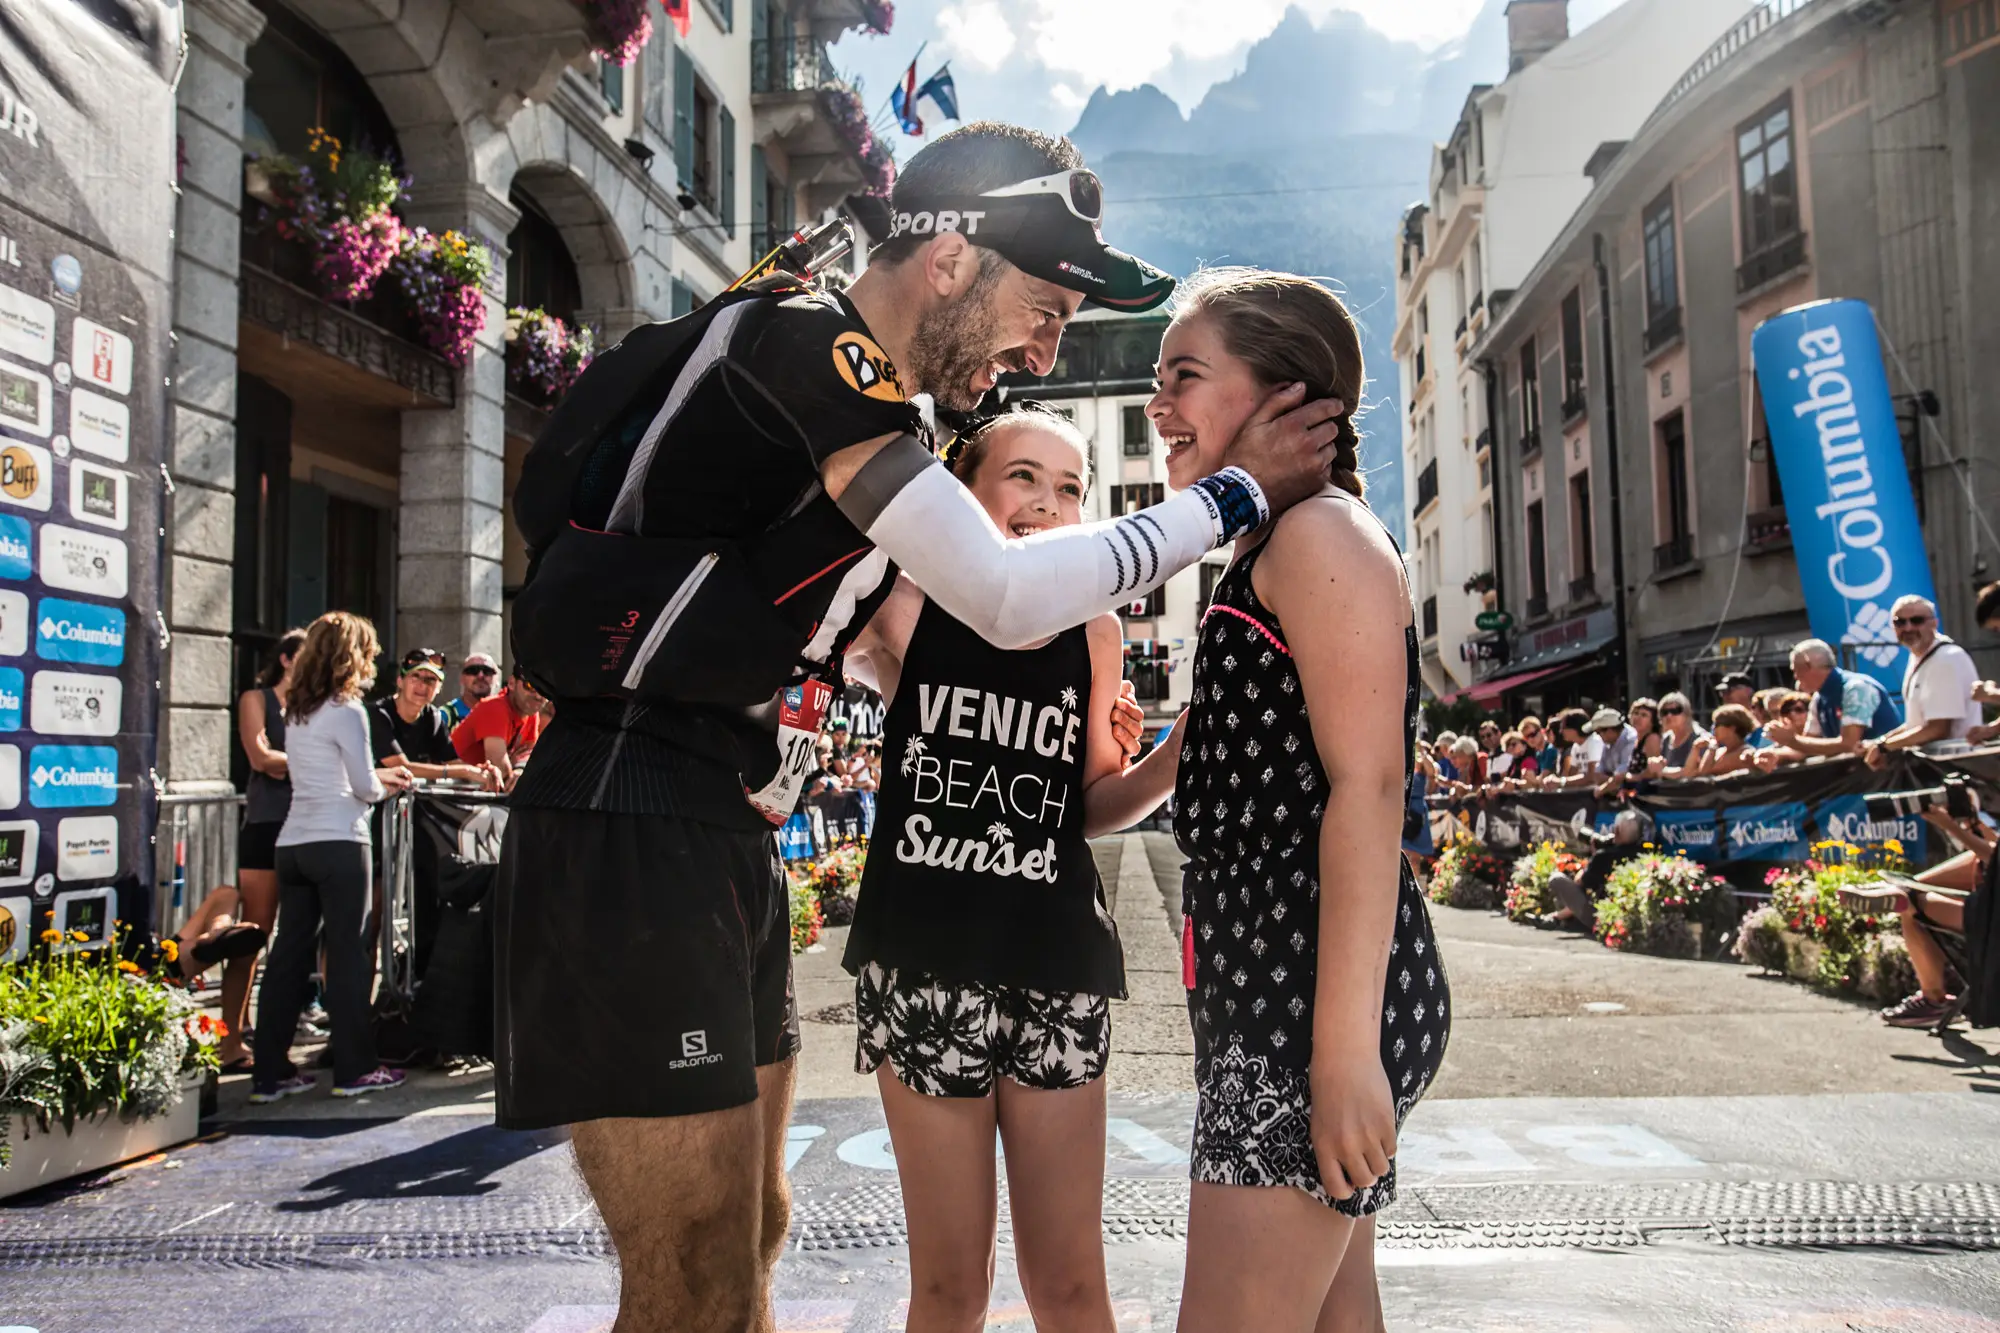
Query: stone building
(1820,149)
(1502,185)
(322,459)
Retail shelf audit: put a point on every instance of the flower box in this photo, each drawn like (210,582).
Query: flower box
(105,1139)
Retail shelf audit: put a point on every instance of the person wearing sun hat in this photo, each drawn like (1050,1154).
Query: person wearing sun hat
(766,458)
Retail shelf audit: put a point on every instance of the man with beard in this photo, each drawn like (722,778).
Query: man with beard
(642,940)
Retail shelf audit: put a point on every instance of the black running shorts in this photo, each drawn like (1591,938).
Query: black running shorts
(643,967)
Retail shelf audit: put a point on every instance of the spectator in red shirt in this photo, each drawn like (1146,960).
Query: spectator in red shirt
(502,731)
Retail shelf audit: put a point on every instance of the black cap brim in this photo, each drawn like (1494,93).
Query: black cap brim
(1042,238)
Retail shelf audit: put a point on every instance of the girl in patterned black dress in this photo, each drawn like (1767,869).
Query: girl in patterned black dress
(1318,1000)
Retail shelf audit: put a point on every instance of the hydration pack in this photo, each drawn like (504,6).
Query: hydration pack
(617,613)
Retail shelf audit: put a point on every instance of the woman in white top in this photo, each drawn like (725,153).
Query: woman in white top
(323,864)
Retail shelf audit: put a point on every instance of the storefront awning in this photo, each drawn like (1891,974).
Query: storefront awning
(1486,691)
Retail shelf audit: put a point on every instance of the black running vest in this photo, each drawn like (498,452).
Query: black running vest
(978,870)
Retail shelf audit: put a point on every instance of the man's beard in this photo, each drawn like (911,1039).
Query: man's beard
(954,342)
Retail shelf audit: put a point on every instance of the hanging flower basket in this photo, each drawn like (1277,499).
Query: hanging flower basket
(844,108)
(877,17)
(618,29)
(339,203)
(443,276)
(544,354)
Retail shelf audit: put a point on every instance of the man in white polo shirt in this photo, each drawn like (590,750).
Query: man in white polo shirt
(1938,685)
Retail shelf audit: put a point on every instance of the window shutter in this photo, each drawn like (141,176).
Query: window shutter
(727,138)
(683,120)
(728,8)
(611,81)
(760,199)
(682,297)
(654,92)
(760,22)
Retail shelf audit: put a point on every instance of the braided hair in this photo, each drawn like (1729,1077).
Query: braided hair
(1288,329)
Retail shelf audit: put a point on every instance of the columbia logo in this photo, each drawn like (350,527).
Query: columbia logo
(40,777)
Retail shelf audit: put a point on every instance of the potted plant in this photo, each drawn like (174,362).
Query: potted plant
(1528,893)
(1818,940)
(97,1063)
(1468,875)
(339,204)
(618,29)
(443,275)
(1660,905)
(544,355)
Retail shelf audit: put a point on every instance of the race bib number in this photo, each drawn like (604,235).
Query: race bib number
(800,709)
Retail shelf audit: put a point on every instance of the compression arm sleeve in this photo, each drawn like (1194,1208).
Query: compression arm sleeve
(1013,593)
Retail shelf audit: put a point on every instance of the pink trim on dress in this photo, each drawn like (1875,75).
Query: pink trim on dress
(1255,623)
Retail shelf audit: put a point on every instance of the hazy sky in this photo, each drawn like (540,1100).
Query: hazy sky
(1036,61)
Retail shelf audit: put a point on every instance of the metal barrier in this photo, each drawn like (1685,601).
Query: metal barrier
(194,850)
(397,935)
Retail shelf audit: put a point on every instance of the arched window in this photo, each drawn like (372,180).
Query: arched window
(540,271)
(298,80)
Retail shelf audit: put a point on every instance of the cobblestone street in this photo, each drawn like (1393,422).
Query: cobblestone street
(1717,1151)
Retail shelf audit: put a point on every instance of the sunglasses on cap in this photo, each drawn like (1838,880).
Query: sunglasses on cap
(1080,191)
(416,657)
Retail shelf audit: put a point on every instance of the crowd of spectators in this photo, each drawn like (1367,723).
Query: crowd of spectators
(845,763)
(1829,710)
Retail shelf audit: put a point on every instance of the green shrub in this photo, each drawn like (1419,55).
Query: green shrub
(1528,893)
(1654,904)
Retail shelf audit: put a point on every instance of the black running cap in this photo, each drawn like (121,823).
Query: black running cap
(1043,238)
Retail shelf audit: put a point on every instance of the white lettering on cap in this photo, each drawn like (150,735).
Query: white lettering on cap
(947,219)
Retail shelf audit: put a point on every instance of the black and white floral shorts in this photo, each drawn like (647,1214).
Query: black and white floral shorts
(954,1039)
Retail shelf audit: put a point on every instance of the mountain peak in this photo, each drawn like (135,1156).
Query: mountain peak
(1141,119)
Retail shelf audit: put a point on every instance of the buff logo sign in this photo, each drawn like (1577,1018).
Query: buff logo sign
(1847,490)
(928,223)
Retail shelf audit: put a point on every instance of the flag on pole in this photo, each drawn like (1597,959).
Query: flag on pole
(903,101)
(942,92)
(677,10)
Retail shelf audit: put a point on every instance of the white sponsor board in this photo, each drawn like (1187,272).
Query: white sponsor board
(10,777)
(27,326)
(100,425)
(99,496)
(87,847)
(70,703)
(27,403)
(16,623)
(79,561)
(101,356)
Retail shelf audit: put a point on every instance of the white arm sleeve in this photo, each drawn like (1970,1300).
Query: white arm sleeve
(1013,593)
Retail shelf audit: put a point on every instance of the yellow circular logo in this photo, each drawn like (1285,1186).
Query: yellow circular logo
(866,368)
(20,476)
(6,932)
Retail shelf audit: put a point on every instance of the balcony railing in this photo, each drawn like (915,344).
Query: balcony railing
(1747,29)
(1484,439)
(1427,486)
(1574,402)
(1662,329)
(1583,588)
(790,65)
(1538,606)
(1458,334)
(1769,530)
(1431,617)
(1674,553)
(1531,444)
(1774,261)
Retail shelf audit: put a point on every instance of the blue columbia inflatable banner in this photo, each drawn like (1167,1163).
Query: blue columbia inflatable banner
(1847,491)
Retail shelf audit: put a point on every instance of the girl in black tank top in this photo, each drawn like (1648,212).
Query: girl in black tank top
(984,957)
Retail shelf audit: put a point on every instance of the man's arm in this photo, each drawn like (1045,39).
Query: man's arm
(497,756)
(1013,593)
(1848,742)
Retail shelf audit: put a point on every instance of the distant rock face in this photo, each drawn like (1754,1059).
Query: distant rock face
(1141,119)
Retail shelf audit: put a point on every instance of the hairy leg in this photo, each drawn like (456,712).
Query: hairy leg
(1354,1302)
(679,1197)
(775,1084)
(1259,1259)
(944,1158)
(1055,1189)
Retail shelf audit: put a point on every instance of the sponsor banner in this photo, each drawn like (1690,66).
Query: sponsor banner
(15,623)
(86,562)
(27,326)
(1839,452)
(27,404)
(63,776)
(92,913)
(17,545)
(1846,819)
(98,495)
(70,703)
(87,847)
(100,425)
(10,777)
(25,476)
(17,928)
(101,356)
(11,683)
(1692,831)
(1766,832)
(18,841)
(79,632)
